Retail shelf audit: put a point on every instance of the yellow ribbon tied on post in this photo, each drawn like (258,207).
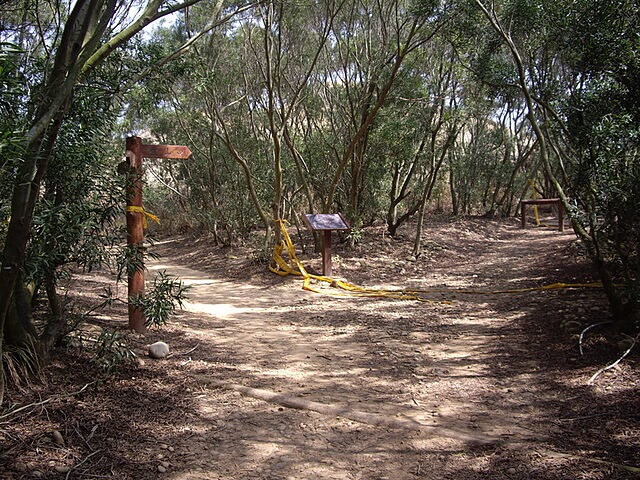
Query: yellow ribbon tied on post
(145,214)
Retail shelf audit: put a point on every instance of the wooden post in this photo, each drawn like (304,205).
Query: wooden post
(560,216)
(135,230)
(136,151)
(327,270)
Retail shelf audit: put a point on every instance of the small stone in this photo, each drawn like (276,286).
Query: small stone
(158,350)
(572,326)
(410,258)
(171,449)
(161,469)
(626,343)
(62,469)
(57,438)
(164,446)
(511,471)
(164,464)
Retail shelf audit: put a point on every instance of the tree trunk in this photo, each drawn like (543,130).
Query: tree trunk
(56,327)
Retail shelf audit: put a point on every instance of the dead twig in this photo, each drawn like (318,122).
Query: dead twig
(45,401)
(609,367)
(183,353)
(585,331)
(75,467)
(554,454)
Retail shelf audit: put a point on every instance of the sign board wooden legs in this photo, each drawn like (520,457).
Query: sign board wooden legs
(135,152)
(327,268)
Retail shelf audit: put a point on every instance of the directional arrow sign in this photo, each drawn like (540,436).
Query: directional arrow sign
(165,151)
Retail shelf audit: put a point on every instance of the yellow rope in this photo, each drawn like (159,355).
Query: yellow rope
(145,214)
(534,195)
(294,267)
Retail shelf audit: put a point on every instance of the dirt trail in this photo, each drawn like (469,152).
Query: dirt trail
(269,382)
(464,370)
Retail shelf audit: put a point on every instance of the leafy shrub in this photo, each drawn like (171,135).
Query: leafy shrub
(163,298)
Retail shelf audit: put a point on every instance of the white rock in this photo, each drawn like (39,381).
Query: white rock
(158,350)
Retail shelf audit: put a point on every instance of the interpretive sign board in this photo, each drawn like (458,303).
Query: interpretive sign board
(542,201)
(325,223)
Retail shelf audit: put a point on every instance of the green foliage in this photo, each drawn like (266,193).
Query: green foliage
(608,181)
(165,296)
(355,235)
(132,260)
(20,364)
(424,8)
(112,351)
(76,221)
(10,103)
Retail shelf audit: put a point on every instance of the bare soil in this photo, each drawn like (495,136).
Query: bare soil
(268,381)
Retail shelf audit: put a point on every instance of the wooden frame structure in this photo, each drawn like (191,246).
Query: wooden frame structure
(542,201)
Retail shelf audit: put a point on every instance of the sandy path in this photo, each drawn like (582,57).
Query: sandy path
(445,367)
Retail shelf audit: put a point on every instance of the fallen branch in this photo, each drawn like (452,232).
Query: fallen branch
(609,367)
(44,402)
(390,422)
(345,412)
(586,330)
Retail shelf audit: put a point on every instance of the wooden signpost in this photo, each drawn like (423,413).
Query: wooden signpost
(136,215)
(325,223)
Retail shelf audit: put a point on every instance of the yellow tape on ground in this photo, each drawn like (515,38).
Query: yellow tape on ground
(283,267)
